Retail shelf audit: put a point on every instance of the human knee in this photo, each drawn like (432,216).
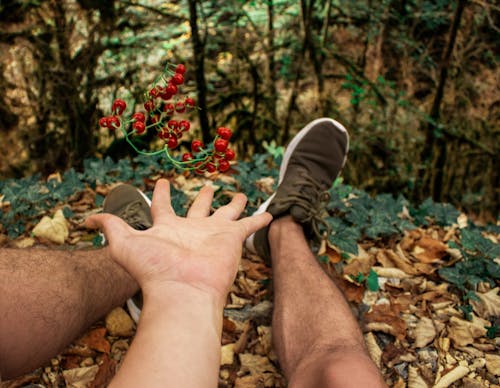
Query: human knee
(339,370)
(350,370)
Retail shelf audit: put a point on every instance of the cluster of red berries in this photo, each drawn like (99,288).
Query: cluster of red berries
(214,159)
(160,110)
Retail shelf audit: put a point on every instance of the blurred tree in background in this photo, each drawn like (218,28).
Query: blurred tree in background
(415,82)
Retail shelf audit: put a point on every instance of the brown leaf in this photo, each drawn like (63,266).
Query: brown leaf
(463,332)
(107,370)
(333,255)
(428,250)
(425,332)
(454,375)
(80,377)
(386,317)
(255,364)
(493,364)
(352,292)
(489,304)
(386,257)
(362,263)
(255,270)
(227,354)
(119,323)
(95,339)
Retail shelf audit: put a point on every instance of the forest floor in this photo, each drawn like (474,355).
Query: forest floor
(417,330)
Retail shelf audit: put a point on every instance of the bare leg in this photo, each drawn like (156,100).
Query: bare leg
(48,298)
(317,339)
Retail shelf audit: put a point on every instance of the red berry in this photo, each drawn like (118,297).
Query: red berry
(223,165)
(184,125)
(220,145)
(139,127)
(187,156)
(169,109)
(173,124)
(164,94)
(149,105)
(229,155)
(180,107)
(200,168)
(224,132)
(171,89)
(177,79)
(189,102)
(164,134)
(196,145)
(113,123)
(139,116)
(180,69)
(155,92)
(104,122)
(172,142)
(118,106)
(211,167)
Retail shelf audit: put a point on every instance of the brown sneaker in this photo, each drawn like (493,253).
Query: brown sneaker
(132,206)
(311,163)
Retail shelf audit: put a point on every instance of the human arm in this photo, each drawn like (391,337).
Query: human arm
(185,267)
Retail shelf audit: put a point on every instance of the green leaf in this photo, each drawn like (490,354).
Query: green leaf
(372,281)
(492,331)
(467,311)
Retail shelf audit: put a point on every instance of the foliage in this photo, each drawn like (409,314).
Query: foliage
(478,263)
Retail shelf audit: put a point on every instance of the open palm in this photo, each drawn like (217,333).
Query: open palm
(200,250)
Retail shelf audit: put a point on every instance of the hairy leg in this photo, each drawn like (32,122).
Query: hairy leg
(317,339)
(49,297)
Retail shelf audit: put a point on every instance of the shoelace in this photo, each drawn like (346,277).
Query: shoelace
(133,215)
(315,205)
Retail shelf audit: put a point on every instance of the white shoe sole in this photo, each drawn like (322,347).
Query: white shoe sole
(135,312)
(249,243)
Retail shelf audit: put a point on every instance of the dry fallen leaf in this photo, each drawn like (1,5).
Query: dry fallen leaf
(25,242)
(493,364)
(96,340)
(386,318)
(361,263)
(463,332)
(227,354)
(428,250)
(373,349)
(414,378)
(54,229)
(255,364)
(489,304)
(119,323)
(425,332)
(80,377)
(454,375)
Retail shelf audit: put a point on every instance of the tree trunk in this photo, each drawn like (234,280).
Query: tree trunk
(199,63)
(431,177)
(273,94)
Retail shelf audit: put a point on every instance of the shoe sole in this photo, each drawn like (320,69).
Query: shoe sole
(249,244)
(134,311)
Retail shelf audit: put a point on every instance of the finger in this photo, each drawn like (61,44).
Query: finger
(111,225)
(233,209)
(161,206)
(202,204)
(254,223)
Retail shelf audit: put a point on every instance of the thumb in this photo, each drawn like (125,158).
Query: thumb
(111,225)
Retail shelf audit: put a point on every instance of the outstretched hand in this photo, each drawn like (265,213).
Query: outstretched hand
(200,250)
